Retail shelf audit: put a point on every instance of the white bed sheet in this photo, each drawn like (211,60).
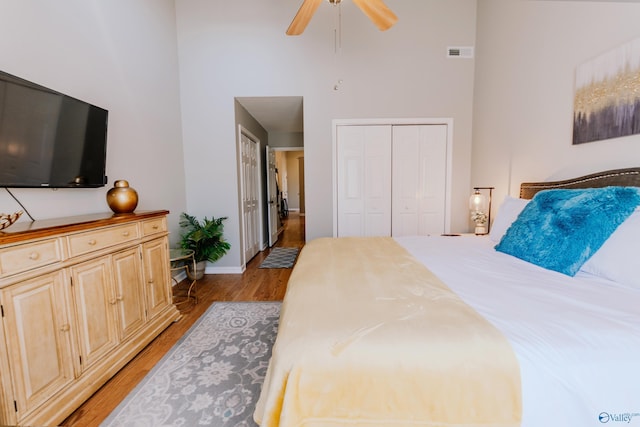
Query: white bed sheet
(577,339)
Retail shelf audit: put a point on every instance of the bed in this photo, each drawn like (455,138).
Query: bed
(470,330)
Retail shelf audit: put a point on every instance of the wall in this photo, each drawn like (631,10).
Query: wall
(286,139)
(120,55)
(527,52)
(234,49)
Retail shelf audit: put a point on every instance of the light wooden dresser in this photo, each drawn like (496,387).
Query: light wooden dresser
(79,298)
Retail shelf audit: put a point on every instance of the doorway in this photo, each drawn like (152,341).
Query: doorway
(277,123)
(284,176)
(291,172)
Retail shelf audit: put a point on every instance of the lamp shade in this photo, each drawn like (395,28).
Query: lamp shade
(477,202)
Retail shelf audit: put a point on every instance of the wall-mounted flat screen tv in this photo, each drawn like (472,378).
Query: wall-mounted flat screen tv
(49,139)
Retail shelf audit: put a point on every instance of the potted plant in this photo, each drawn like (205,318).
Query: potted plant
(205,238)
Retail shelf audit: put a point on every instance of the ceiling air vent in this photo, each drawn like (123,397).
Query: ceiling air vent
(460,52)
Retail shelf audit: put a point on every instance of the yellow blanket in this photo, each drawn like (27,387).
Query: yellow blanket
(370,337)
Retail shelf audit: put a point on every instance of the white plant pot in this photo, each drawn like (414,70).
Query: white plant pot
(480,229)
(199,273)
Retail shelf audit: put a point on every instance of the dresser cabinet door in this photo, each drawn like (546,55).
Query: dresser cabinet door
(157,276)
(38,331)
(129,292)
(95,301)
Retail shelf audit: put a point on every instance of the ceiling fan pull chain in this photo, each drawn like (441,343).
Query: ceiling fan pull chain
(337,32)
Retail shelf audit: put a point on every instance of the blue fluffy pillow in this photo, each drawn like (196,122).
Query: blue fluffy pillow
(560,229)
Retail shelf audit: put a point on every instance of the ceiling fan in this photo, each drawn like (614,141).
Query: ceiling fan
(376,10)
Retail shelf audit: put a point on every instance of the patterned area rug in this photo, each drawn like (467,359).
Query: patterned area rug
(212,376)
(280,258)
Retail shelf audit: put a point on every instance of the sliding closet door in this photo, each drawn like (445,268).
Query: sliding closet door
(419,179)
(364,180)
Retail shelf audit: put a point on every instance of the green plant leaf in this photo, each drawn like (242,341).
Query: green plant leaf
(205,237)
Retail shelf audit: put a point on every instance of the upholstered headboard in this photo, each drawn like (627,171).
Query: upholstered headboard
(619,177)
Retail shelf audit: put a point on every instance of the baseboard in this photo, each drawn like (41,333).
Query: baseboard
(209,270)
(212,269)
(179,277)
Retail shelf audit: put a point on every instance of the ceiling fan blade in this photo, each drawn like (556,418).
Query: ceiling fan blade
(303,17)
(378,13)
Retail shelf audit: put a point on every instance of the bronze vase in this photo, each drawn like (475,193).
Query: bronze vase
(122,198)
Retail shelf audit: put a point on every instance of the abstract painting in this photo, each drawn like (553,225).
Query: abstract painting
(607,95)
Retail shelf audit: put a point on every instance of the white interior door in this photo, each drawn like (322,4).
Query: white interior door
(272,196)
(301,184)
(250,195)
(419,180)
(364,180)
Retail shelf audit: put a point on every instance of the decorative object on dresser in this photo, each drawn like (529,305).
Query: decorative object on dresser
(7,219)
(122,198)
(80,297)
(205,238)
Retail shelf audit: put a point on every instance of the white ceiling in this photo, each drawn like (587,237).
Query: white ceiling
(275,113)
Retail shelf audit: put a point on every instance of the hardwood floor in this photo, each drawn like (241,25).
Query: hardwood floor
(254,284)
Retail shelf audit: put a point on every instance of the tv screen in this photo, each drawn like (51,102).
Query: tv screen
(48,139)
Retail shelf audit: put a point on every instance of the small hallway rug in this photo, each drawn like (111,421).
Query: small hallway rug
(212,376)
(280,258)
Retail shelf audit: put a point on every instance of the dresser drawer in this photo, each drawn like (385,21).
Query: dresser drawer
(25,257)
(153,226)
(90,241)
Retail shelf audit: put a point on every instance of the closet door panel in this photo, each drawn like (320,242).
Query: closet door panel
(377,189)
(419,179)
(405,206)
(432,178)
(364,180)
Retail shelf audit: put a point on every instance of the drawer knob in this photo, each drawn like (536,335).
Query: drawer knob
(112,301)
(65,328)
(155,226)
(119,298)
(125,233)
(34,256)
(92,242)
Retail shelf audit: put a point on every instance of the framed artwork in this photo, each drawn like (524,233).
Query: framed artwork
(607,95)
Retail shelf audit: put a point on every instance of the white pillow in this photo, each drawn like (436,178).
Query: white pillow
(617,258)
(507,213)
